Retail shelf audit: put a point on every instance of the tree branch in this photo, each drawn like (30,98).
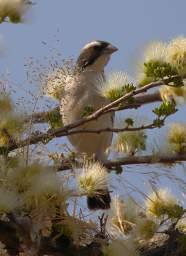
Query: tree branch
(139,101)
(130,160)
(149,159)
(61,132)
(64,131)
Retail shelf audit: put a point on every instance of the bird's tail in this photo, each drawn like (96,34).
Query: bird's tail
(101,200)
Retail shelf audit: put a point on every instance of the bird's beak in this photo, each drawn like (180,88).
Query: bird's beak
(111,49)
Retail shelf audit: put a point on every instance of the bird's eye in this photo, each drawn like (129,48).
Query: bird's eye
(96,47)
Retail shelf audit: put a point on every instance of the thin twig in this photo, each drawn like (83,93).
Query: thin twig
(60,132)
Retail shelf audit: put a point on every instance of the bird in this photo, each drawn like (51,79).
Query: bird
(81,91)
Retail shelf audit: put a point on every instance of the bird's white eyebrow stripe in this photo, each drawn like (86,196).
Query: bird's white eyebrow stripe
(94,43)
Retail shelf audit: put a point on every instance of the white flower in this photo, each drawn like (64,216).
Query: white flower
(130,142)
(156,51)
(177,137)
(115,85)
(145,228)
(160,203)
(122,217)
(176,54)
(177,133)
(93,178)
(169,93)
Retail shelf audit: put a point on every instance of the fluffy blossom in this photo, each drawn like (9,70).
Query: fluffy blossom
(176,54)
(93,178)
(122,217)
(10,124)
(163,60)
(116,85)
(169,93)
(156,51)
(161,203)
(14,9)
(126,217)
(177,138)
(145,228)
(130,142)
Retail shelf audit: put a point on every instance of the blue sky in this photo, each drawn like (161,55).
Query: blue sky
(128,24)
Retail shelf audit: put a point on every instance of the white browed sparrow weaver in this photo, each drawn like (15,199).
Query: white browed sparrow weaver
(81,91)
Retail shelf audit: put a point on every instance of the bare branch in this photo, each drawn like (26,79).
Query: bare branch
(130,160)
(149,159)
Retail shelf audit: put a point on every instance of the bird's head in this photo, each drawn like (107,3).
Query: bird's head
(95,55)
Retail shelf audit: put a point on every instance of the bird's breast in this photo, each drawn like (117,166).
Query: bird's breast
(81,92)
(78,94)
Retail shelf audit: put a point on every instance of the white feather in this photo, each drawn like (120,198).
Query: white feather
(91,44)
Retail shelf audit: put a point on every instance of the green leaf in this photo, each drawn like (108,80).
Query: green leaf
(87,111)
(3,150)
(129,122)
(128,88)
(54,119)
(158,122)
(165,109)
(158,70)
